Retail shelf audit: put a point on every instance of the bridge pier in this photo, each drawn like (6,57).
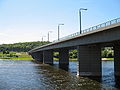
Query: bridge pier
(48,57)
(63,56)
(37,56)
(117,60)
(89,58)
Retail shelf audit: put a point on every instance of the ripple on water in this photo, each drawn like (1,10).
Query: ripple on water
(28,75)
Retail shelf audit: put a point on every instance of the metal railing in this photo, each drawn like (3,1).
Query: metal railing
(114,21)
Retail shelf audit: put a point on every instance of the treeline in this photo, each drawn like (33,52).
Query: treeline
(21,47)
(106,52)
(26,46)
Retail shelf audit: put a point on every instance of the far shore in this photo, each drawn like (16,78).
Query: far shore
(75,59)
(55,59)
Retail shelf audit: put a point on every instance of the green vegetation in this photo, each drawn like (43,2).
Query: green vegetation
(107,52)
(15,55)
(19,51)
(22,47)
(107,59)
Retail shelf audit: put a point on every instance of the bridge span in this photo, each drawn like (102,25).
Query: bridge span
(88,45)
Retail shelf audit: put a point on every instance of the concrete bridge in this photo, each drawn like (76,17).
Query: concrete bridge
(88,45)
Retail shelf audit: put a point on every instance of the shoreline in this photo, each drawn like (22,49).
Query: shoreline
(103,59)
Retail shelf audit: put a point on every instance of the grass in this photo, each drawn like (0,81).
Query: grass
(75,59)
(25,56)
(107,59)
(16,55)
(70,59)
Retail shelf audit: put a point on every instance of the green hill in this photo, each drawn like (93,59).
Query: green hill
(19,50)
(22,47)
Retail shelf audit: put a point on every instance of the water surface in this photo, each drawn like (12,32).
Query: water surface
(28,75)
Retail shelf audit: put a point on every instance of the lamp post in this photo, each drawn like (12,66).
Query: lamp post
(80,17)
(48,35)
(59,31)
(42,39)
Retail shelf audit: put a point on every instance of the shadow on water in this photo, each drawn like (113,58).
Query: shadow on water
(64,67)
(58,79)
(117,82)
(107,77)
(96,78)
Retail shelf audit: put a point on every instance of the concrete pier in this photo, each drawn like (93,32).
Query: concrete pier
(117,60)
(89,58)
(64,56)
(48,57)
(37,56)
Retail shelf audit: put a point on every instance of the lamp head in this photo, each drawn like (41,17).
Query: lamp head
(50,31)
(60,24)
(82,9)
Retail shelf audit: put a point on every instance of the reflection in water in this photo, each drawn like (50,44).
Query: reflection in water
(96,78)
(117,81)
(28,75)
(64,66)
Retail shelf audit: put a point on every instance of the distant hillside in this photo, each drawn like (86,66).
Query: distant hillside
(22,47)
(26,46)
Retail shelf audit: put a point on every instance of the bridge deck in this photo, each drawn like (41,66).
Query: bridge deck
(110,32)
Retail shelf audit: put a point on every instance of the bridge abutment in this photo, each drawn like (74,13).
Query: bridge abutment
(64,56)
(89,58)
(117,60)
(48,57)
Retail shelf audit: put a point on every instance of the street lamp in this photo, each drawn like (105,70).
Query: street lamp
(80,17)
(48,35)
(59,31)
(42,39)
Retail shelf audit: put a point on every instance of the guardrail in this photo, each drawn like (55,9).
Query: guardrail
(114,21)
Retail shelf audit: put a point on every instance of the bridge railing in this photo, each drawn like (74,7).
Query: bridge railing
(114,21)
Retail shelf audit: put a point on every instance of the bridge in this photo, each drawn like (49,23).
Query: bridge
(88,45)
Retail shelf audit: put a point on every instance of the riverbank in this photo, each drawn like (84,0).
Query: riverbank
(16,55)
(25,56)
(75,59)
(30,58)
(107,59)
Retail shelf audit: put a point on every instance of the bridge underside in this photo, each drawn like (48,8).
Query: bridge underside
(89,58)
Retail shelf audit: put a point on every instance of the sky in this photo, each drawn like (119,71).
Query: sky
(30,20)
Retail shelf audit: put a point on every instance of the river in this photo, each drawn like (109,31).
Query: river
(29,75)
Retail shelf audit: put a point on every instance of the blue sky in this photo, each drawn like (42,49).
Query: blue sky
(29,20)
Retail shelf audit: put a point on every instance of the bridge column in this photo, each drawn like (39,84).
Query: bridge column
(89,58)
(37,56)
(48,57)
(64,56)
(117,60)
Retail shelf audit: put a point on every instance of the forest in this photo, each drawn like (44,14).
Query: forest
(22,47)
